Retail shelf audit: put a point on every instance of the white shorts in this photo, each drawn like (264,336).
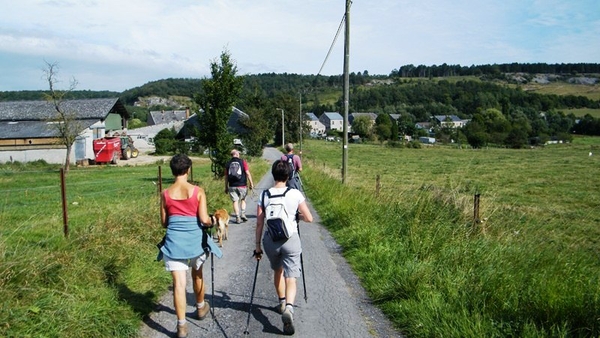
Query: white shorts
(184,264)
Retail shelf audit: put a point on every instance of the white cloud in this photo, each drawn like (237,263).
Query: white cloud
(113,44)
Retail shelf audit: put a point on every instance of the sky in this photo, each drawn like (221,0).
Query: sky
(122,44)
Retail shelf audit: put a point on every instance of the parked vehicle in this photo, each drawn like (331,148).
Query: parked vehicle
(112,149)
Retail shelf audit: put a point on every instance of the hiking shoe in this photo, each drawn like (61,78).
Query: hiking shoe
(203,311)
(288,322)
(182,331)
(237,220)
(244,218)
(280,308)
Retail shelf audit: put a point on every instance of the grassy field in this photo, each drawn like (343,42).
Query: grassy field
(102,279)
(584,111)
(562,88)
(530,269)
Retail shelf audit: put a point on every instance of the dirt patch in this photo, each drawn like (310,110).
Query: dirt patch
(143,159)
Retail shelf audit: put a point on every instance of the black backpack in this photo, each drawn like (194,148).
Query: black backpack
(290,161)
(234,174)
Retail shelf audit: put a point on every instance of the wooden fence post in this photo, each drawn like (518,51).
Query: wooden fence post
(159,180)
(476,209)
(63,192)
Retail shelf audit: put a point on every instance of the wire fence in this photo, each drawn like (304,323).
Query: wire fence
(37,196)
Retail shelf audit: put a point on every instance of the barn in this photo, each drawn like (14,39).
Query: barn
(28,132)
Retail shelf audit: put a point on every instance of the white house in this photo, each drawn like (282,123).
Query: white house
(450,121)
(332,121)
(316,127)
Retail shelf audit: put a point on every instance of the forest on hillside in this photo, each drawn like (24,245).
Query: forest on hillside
(500,111)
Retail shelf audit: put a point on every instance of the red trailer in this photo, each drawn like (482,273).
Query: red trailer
(107,150)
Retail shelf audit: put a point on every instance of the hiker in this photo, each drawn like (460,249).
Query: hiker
(283,254)
(237,178)
(295,164)
(183,205)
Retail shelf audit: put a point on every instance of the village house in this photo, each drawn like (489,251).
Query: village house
(317,129)
(371,116)
(233,124)
(332,121)
(28,132)
(450,121)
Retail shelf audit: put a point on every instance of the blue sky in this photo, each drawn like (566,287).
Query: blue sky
(116,45)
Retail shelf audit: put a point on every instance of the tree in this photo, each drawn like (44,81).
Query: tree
(216,101)
(64,121)
(383,127)
(362,126)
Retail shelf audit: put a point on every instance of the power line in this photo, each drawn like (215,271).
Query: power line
(334,40)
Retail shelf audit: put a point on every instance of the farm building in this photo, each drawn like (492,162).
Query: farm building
(156,117)
(27,132)
(427,140)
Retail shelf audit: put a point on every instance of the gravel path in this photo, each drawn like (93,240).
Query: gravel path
(336,305)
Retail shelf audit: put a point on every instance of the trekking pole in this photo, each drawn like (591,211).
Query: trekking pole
(301,184)
(212,282)
(301,260)
(252,296)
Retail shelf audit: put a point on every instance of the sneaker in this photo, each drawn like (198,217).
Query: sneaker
(244,218)
(237,220)
(280,308)
(182,331)
(203,311)
(288,322)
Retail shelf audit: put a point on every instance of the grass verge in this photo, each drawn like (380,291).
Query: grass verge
(531,270)
(102,279)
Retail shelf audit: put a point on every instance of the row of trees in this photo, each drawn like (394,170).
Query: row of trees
(518,129)
(445,70)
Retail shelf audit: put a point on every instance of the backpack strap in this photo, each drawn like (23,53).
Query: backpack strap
(268,194)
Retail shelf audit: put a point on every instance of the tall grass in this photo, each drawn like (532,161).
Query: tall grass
(531,269)
(102,279)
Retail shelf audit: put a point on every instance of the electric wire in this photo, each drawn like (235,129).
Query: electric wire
(337,34)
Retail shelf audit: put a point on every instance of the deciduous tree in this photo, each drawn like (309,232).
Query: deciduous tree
(64,121)
(216,101)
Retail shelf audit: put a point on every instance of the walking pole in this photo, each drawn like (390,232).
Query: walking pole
(252,295)
(212,282)
(301,260)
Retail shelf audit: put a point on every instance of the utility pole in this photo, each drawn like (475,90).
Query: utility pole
(282,128)
(346,90)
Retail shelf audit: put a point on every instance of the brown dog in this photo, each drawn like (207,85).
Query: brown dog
(222,219)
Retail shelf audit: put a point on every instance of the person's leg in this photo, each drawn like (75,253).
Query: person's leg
(198,285)
(279,282)
(292,269)
(290,290)
(179,301)
(202,306)
(287,317)
(243,211)
(243,195)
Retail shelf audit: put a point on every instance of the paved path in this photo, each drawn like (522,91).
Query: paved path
(336,304)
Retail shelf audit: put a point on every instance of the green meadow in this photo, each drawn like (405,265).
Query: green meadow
(405,220)
(99,280)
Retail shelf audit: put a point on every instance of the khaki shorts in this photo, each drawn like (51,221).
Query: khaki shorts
(238,193)
(284,254)
(184,264)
